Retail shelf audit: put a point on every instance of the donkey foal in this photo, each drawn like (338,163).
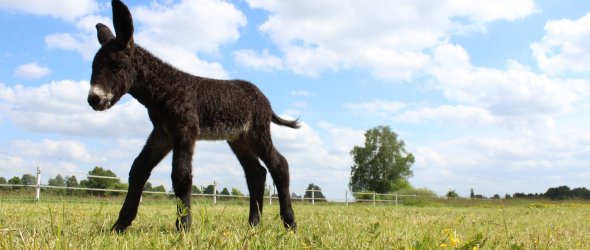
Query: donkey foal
(183,109)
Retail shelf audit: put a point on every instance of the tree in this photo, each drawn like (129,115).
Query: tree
(58,181)
(160,188)
(224,191)
(102,183)
(236,192)
(558,193)
(15,181)
(3,181)
(209,189)
(452,194)
(383,164)
(147,186)
(71,181)
(318,195)
(28,179)
(580,193)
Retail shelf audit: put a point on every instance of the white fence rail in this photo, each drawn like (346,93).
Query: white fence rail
(374,198)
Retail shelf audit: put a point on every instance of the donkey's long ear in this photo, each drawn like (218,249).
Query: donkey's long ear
(123,24)
(104,34)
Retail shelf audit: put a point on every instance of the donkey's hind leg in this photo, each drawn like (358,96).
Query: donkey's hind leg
(156,147)
(279,170)
(255,177)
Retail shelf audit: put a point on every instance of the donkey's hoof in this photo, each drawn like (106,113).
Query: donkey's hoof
(291,226)
(183,226)
(254,221)
(119,227)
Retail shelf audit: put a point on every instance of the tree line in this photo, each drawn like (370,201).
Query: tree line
(70,183)
(553,193)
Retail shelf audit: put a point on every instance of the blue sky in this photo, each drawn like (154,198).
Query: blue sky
(490,95)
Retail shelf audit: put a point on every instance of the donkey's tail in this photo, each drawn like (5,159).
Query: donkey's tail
(280,121)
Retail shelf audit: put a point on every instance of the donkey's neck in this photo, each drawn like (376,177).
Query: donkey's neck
(154,78)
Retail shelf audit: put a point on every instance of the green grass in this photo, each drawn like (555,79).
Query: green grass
(76,224)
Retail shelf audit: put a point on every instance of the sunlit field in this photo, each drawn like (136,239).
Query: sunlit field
(84,224)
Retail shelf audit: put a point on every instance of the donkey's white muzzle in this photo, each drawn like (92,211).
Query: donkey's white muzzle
(99,99)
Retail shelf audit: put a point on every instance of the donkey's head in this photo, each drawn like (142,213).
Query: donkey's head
(112,68)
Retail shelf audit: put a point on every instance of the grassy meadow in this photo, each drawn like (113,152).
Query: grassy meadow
(462,224)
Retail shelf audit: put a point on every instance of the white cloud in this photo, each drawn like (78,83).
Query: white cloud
(302,93)
(262,62)
(61,107)
(531,161)
(83,43)
(448,114)
(186,60)
(313,157)
(51,149)
(341,140)
(10,162)
(564,48)
(177,32)
(65,9)
(482,10)
(388,37)
(515,91)
(379,108)
(201,25)
(31,71)
(514,97)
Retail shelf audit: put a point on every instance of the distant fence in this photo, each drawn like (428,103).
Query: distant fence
(361,197)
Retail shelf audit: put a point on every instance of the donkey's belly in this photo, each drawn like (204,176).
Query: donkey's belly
(226,132)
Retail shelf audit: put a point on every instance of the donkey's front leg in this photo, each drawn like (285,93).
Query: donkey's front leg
(156,147)
(182,180)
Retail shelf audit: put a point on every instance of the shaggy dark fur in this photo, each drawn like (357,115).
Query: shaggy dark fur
(184,108)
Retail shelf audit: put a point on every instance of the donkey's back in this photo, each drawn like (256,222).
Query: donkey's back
(229,108)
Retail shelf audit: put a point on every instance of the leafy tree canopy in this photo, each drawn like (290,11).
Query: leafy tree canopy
(58,181)
(236,192)
(317,192)
(102,183)
(383,164)
(209,189)
(28,179)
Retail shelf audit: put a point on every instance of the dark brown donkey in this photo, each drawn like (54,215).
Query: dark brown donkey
(183,109)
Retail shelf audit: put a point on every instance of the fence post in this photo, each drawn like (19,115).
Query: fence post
(38,191)
(374,198)
(396,199)
(346,197)
(312,196)
(214,192)
(269,194)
